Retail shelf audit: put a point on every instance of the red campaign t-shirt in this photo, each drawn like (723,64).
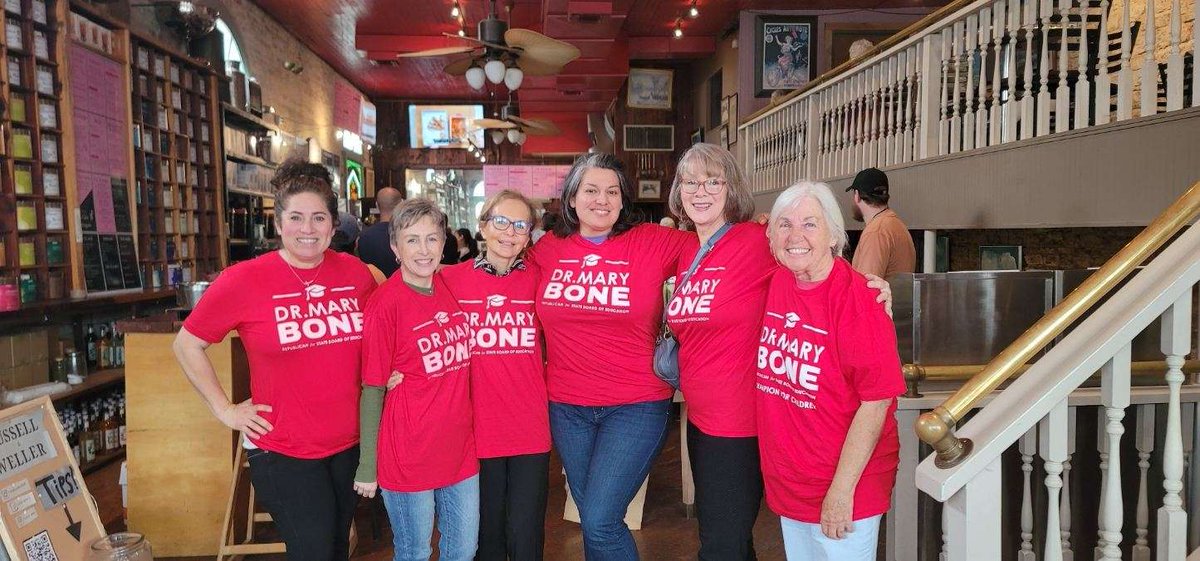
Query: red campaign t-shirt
(601,307)
(714,317)
(303,346)
(822,352)
(508,379)
(426,439)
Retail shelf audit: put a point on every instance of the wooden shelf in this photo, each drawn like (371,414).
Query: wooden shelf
(94,382)
(101,461)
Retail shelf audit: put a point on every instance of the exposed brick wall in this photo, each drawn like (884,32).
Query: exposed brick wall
(1042,248)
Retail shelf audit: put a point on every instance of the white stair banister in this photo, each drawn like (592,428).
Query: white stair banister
(1195,53)
(1027,447)
(1065,510)
(1194,478)
(972,518)
(1102,449)
(1043,97)
(1008,104)
(1114,383)
(1175,62)
(1052,447)
(1125,74)
(903,520)
(969,109)
(1103,82)
(1144,438)
(1062,95)
(955,120)
(1029,22)
(1083,91)
(994,120)
(1172,520)
(1149,78)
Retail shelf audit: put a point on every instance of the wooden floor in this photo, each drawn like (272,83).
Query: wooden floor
(666,533)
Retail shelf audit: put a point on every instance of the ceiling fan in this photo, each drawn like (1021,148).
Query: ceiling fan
(510,125)
(503,55)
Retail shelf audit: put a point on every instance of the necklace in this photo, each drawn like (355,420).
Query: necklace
(297,275)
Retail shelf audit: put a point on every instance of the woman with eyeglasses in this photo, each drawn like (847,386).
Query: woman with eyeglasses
(714,315)
(599,302)
(508,385)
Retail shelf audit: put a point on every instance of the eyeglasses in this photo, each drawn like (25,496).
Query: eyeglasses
(711,186)
(503,222)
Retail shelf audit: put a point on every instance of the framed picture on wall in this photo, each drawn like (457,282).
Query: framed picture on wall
(784,52)
(724,110)
(725,137)
(649,88)
(1000,257)
(649,190)
(732,123)
(698,135)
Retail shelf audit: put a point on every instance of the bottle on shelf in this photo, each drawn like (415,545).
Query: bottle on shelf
(121,420)
(112,436)
(103,348)
(89,444)
(90,340)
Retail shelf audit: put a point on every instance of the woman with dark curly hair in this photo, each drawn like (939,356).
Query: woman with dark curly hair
(299,314)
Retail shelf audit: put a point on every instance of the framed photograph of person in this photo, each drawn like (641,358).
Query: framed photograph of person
(724,110)
(698,135)
(1000,257)
(649,190)
(784,52)
(725,137)
(649,88)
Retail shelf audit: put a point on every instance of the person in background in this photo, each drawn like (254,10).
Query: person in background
(828,377)
(468,248)
(418,443)
(508,385)
(717,353)
(886,247)
(300,424)
(667,222)
(345,237)
(547,225)
(374,242)
(450,251)
(600,304)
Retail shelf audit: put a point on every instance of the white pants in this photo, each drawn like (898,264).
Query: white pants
(805,542)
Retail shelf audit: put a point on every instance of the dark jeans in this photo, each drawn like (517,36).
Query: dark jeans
(311,501)
(607,452)
(729,491)
(512,507)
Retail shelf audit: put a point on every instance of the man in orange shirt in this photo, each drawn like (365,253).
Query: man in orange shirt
(885,248)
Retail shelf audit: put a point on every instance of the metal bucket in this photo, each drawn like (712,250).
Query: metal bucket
(188,294)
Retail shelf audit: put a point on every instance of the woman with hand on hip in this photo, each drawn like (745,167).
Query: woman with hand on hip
(828,377)
(425,463)
(299,314)
(600,305)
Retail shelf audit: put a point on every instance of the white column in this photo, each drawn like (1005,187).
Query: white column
(1114,395)
(1172,520)
(929,251)
(1027,446)
(973,519)
(1144,438)
(1052,447)
(903,537)
(1149,101)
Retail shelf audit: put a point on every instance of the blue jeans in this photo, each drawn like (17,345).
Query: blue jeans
(607,452)
(411,515)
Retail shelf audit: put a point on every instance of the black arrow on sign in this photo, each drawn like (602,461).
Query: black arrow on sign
(74,528)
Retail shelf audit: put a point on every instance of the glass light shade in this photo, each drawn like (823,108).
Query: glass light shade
(521,138)
(514,135)
(475,77)
(494,70)
(693,12)
(483,159)
(513,78)
(497,136)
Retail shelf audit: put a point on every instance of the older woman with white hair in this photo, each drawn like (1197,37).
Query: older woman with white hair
(828,377)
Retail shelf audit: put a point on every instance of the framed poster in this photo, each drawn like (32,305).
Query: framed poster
(784,51)
(1000,258)
(724,110)
(725,137)
(649,190)
(698,135)
(649,88)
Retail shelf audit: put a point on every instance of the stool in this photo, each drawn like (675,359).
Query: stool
(241,499)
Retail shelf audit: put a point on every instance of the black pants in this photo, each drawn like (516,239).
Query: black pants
(512,507)
(729,490)
(311,501)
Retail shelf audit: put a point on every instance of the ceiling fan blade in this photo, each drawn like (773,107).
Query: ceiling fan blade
(482,42)
(534,67)
(541,48)
(543,127)
(459,67)
(437,52)
(492,124)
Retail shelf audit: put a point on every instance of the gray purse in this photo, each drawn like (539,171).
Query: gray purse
(666,349)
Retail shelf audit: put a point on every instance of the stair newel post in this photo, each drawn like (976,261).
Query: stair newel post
(1052,447)
(1028,447)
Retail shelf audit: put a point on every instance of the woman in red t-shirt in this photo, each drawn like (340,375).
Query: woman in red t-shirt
(426,462)
(600,305)
(299,314)
(508,382)
(827,380)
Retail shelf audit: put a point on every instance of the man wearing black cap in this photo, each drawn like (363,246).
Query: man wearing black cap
(885,247)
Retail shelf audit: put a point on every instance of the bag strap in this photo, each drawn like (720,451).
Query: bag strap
(704,249)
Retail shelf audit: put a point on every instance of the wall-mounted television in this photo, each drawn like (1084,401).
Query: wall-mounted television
(442,126)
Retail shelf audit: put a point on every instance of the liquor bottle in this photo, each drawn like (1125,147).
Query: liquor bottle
(91,347)
(89,444)
(71,422)
(121,422)
(112,436)
(103,348)
(119,346)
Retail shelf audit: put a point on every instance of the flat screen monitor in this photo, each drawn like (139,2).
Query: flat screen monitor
(443,126)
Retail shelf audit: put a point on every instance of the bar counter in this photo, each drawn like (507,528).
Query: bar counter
(179,457)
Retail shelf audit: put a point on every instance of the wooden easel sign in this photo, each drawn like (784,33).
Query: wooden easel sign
(46,513)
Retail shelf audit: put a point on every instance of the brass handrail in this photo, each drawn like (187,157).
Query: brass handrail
(914,374)
(937,427)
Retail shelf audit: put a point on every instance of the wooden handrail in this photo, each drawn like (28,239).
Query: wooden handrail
(937,427)
(914,374)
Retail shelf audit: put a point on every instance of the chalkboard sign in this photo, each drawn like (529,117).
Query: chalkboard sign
(110,258)
(47,512)
(93,269)
(127,248)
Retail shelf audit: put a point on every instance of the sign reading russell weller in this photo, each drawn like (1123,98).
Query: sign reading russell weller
(45,510)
